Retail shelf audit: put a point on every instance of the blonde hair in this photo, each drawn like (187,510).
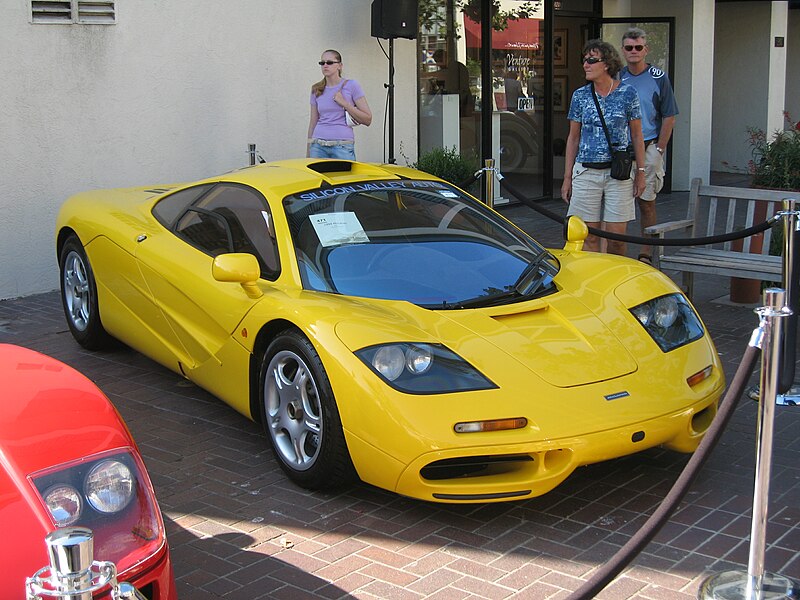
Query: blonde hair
(319,87)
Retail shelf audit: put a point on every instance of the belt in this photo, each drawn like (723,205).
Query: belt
(648,142)
(597,165)
(329,143)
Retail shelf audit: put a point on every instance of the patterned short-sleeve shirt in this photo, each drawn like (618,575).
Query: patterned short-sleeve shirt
(619,108)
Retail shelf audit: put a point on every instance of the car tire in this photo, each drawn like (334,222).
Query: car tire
(300,417)
(79,297)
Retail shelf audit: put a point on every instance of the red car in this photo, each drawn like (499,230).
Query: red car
(69,463)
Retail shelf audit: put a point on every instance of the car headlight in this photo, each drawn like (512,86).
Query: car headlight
(64,503)
(423,368)
(87,490)
(670,320)
(110,493)
(109,486)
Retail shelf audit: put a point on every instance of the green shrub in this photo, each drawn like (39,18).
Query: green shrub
(448,164)
(776,162)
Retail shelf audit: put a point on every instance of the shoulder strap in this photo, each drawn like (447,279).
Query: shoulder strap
(602,120)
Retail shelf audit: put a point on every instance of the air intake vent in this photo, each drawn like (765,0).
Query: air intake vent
(97,12)
(332,166)
(51,12)
(100,12)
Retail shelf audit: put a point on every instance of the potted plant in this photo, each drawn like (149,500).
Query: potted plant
(776,161)
(776,166)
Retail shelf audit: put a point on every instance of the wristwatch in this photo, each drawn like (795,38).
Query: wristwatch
(640,169)
(660,150)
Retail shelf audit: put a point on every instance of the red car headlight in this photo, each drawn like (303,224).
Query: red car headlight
(109,486)
(111,494)
(64,503)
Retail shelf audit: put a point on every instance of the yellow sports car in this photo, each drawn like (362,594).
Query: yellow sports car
(381,324)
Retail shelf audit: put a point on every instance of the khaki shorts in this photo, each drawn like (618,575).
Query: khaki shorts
(653,172)
(597,198)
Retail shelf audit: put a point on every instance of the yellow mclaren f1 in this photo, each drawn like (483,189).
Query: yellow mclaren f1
(382,324)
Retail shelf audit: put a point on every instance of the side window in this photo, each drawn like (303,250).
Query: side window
(169,208)
(246,224)
(205,230)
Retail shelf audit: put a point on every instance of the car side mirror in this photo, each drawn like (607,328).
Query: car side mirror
(241,268)
(575,232)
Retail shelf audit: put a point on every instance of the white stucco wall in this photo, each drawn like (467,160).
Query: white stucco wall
(173,92)
(793,65)
(741,64)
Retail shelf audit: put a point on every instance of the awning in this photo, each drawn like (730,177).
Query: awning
(521,34)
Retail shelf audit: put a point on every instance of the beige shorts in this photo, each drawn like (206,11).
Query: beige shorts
(653,172)
(597,198)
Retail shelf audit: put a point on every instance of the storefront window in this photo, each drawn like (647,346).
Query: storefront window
(452,101)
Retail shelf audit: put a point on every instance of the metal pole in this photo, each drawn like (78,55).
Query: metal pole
(391,102)
(771,312)
(488,182)
(251,149)
(787,395)
(756,584)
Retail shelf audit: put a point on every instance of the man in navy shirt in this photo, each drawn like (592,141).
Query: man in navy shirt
(658,118)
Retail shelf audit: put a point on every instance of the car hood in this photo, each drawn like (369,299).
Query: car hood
(51,415)
(556,337)
(560,340)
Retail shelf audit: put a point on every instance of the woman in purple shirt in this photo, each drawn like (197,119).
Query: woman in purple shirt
(329,135)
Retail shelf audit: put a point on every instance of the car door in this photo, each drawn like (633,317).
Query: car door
(176,265)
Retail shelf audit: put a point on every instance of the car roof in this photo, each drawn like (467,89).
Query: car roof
(299,174)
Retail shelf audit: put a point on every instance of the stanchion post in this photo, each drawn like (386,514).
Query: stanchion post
(788,392)
(772,313)
(488,182)
(790,224)
(756,584)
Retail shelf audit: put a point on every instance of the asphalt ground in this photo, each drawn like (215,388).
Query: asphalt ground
(239,529)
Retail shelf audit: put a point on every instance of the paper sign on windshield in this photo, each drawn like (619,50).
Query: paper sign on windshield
(335,229)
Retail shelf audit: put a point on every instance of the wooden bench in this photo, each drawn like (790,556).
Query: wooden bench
(714,210)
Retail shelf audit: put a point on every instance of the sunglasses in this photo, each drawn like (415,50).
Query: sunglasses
(592,60)
(329,62)
(638,47)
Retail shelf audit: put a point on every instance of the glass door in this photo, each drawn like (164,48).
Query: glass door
(519,102)
(452,78)
(450,98)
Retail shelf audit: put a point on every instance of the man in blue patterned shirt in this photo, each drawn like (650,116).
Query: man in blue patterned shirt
(588,188)
(658,118)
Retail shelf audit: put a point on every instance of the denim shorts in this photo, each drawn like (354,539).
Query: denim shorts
(341,149)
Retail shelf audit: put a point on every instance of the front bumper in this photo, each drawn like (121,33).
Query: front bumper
(486,473)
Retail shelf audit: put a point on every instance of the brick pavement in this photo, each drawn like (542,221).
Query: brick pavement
(238,529)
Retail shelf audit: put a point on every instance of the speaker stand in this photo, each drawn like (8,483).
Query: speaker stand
(390,87)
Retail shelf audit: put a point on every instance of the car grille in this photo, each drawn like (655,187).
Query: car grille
(472,466)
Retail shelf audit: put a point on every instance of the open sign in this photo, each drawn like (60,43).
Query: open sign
(524,103)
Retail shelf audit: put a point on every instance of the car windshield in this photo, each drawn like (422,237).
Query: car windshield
(424,242)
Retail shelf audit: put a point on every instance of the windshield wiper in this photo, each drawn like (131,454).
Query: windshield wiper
(532,276)
(530,281)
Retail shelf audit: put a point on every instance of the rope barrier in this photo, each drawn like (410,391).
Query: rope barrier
(649,241)
(613,567)
(470,180)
